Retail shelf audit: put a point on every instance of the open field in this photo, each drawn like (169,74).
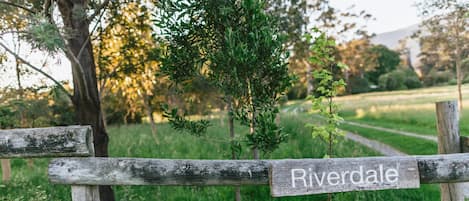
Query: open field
(409,110)
(136,141)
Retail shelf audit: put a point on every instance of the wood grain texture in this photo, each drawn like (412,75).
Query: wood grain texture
(46,142)
(85,193)
(447,123)
(142,171)
(316,176)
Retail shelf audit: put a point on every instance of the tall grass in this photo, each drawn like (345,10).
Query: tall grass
(136,141)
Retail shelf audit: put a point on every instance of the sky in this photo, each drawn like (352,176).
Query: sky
(390,15)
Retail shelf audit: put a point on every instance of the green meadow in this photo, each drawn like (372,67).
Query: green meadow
(412,111)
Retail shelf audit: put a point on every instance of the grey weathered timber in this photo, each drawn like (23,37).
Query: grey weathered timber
(141,171)
(46,142)
(316,176)
(85,193)
(449,142)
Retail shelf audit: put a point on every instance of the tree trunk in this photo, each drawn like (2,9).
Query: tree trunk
(85,90)
(232,137)
(252,124)
(459,83)
(309,78)
(149,111)
(23,122)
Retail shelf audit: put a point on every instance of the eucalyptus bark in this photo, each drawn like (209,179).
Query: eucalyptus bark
(309,78)
(85,98)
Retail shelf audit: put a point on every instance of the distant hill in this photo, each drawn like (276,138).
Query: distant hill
(391,40)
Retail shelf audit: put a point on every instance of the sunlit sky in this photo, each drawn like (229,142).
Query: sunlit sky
(390,15)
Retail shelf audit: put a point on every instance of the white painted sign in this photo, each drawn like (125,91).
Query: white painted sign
(314,176)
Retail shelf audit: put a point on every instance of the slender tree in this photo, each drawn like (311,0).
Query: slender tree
(446,29)
(72,37)
(239,48)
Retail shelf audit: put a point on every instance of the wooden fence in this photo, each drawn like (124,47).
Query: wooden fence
(70,141)
(287,177)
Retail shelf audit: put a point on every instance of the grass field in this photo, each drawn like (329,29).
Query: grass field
(136,141)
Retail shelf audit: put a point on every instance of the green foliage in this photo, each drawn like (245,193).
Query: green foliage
(327,88)
(268,135)
(399,80)
(7,119)
(44,35)
(39,107)
(387,61)
(322,50)
(237,46)
(180,123)
(327,108)
(437,77)
(358,85)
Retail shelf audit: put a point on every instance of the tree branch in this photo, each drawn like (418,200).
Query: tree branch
(75,64)
(38,70)
(98,10)
(89,36)
(18,6)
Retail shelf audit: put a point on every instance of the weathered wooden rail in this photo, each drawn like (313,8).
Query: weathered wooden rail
(69,141)
(46,142)
(448,168)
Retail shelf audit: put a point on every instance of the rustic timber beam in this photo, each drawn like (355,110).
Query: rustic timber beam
(67,141)
(141,171)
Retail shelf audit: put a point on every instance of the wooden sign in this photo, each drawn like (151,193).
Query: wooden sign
(315,176)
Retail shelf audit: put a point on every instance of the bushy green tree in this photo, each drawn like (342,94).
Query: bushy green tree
(399,80)
(329,85)
(386,61)
(445,35)
(237,46)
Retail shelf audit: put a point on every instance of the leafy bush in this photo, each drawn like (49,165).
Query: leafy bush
(298,91)
(398,80)
(358,85)
(436,77)
(412,81)
(393,80)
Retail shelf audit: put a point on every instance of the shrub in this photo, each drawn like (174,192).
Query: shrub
(398,80)
(298,91)
(393,80)
(436,77)
(358,85)
(412,81)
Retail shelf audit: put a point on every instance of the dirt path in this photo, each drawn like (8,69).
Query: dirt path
(382,148)
(393,131)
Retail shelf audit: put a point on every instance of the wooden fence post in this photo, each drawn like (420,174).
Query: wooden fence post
(449,142)
(6,170)
(86,192)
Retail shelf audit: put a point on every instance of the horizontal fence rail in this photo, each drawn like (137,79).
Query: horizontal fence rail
(67,141)
(141,171)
